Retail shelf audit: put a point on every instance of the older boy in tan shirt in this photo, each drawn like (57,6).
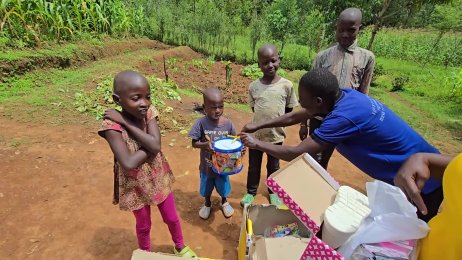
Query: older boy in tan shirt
(270,96)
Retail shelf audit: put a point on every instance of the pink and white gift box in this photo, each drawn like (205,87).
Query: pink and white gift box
(307,190)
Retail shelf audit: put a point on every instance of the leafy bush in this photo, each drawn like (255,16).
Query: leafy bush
(399,83)
(171,63)
(455,83)
(378,71)
(206,65)
(97,101)
(254,72)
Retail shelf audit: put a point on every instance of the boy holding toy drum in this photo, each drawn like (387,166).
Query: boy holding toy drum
(204,131)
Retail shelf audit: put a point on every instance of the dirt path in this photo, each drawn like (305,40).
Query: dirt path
(55,197)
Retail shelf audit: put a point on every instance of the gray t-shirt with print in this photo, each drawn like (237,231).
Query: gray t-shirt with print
(204,126)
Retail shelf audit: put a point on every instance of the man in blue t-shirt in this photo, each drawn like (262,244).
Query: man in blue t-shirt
(363,130)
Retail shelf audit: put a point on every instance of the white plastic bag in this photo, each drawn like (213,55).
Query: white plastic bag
(392,218)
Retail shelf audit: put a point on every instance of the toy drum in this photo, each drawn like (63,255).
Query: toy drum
(227,156)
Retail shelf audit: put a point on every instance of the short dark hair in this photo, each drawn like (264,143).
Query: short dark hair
(320,83)
(125,79)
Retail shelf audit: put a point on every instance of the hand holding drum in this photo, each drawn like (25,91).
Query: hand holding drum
(210,142)
(248,140)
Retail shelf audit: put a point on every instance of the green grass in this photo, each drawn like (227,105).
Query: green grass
(427,88)
(51,92)
(239,107)
(295,76)
(194,94)
(425,103)
(54,50)
(416,45)
(293,56)
(62,51)
(189,92)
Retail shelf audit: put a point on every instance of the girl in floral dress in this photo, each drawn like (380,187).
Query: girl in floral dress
(142,175)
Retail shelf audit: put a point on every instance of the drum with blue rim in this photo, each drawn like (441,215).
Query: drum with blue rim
(227,156)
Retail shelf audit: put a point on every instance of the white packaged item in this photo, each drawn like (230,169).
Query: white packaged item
(392,218)
(343,218)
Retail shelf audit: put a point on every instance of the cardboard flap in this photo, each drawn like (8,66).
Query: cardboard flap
(279,248)
(309,185)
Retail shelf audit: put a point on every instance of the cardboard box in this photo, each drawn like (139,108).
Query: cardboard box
(307,190)
(266,216)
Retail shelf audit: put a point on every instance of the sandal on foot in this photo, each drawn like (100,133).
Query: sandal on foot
(247,199)
(185,252)
(204,212)
(275,200)
(228,211)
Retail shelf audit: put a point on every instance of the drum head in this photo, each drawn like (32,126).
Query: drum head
(227,145)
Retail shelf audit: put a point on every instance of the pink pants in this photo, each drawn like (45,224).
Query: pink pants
(169,215)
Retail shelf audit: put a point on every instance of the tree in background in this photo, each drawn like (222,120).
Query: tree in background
(446,18)
(257,27)
(312,31)
(283,21)
(330,10)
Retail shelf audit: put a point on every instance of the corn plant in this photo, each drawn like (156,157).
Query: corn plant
(32,21)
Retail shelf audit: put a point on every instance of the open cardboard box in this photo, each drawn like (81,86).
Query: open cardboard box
(302,181)
(306,188)
(265,248)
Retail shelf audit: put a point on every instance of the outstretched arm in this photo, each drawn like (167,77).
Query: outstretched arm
(288,119)
(415,172)
(286,153)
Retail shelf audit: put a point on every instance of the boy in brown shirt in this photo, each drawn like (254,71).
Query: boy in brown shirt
(270,96)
